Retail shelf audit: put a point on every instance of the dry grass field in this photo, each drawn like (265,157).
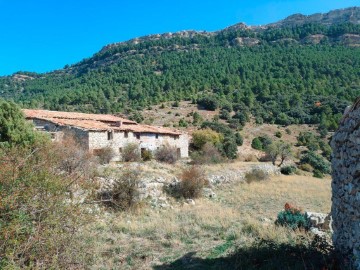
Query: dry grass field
(235,230)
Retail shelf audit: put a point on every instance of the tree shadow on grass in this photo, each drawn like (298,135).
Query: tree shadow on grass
(265,254)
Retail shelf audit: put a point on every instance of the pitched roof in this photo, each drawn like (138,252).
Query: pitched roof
(75,115)
(95,122)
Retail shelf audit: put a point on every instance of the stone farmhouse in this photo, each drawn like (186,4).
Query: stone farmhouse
(98,131)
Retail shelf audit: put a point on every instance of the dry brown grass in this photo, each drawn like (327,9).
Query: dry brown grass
(148,237)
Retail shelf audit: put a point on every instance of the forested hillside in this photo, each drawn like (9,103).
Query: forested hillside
(299,73)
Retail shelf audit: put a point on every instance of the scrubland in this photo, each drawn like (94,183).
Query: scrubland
(235,230)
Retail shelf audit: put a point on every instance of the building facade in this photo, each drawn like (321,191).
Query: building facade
(98,131)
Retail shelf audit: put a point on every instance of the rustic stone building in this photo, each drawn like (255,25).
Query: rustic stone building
(98,131)
(346,186)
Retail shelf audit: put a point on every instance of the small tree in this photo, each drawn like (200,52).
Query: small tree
(14,129)
(278,150)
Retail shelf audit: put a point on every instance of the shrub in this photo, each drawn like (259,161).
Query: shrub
(306,167)
(146,155)
(317,162)
(39,221)
(318,174)
(123,193)
(204,136)
(255,175)
(261,142)
(224,114)
(208,155)
(183,123)
(167,154)
(288,131)
(197,119)
(210,103)
(229,147)
(278,134)
(239,139)
(256,144)
(288,170)
(131,153)
(105,155)
(292,217)
(193,180)
(235,124)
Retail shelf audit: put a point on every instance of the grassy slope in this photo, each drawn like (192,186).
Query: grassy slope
(206,235)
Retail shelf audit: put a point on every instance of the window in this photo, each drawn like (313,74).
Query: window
(110,135)
(176,137)
(126,135)
(157,136)
(138,136)
(178,152)
(120,150)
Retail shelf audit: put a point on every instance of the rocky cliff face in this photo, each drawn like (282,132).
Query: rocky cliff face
(351,15)
(346,186)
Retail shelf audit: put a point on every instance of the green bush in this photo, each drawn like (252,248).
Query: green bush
(288,170)
(306,167)
(210,103)
(239,139)
(204,136)
(224,114)
(293,218)
(317,162)
(183,123)
(278,134)
(257,144)
(318,174)
(229,147)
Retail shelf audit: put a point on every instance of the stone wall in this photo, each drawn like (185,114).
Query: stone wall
(150,141)
(58,132)
(346,186)
(117,140)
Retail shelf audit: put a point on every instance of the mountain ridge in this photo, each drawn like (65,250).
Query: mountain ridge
(275,73)
(351,14)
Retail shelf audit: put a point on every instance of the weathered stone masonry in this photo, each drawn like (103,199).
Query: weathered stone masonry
(346,186)
(95,131)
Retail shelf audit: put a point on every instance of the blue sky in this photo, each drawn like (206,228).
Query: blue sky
(43,35)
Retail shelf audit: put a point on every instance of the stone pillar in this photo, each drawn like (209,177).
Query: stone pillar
(346,186)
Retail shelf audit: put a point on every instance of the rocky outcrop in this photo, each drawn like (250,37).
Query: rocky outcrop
(319,221)
(338,16)
(346,185)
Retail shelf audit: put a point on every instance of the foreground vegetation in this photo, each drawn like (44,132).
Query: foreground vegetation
(235,230)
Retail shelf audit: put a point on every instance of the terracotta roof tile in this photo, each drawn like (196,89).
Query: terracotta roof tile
(74,115)
(95,122)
